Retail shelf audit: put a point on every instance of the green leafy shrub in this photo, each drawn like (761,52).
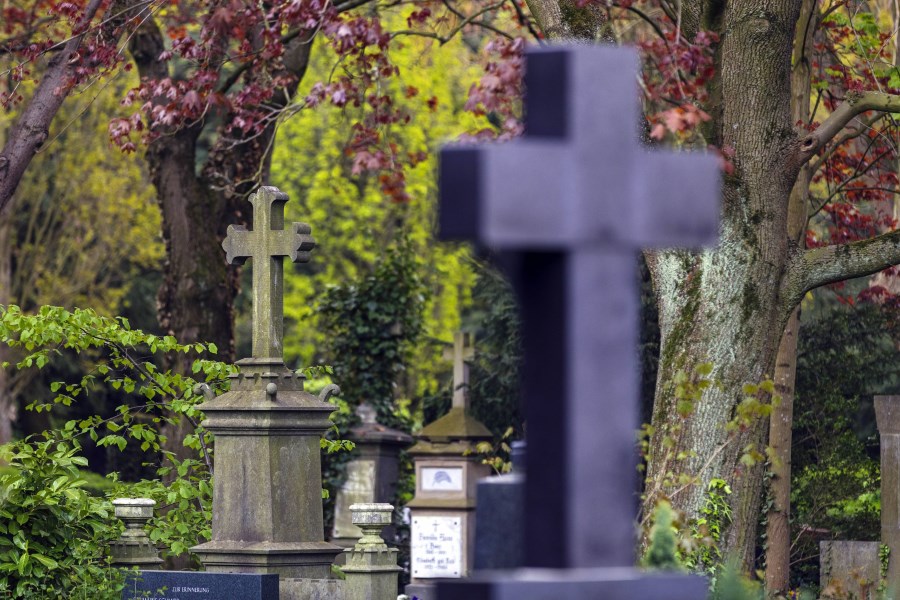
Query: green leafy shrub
(54,535)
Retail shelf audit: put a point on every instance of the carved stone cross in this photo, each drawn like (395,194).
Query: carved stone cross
(463,351)
(267,245)
(569,207)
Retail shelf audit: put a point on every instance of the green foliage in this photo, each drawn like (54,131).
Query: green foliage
(494,388)
(121,358)
(352,219)
(372,326)
(662,552)
(183,496)
(54,536)
(731,585)
(702,553)
(846,355)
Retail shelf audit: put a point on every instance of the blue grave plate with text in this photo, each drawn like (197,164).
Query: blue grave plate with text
(199,585)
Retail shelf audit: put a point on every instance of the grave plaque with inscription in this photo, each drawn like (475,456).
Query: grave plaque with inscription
(199,585)
(437,547)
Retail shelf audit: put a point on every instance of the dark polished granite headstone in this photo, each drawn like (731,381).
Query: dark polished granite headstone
(200,585)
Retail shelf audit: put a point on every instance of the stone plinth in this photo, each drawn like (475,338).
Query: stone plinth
(371,566)
(134,548)
(442,540)
(500,514)
(267,503)
(371,475)
(849,570)
(887,415)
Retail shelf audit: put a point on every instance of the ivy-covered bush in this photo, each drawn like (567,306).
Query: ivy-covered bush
(372,326)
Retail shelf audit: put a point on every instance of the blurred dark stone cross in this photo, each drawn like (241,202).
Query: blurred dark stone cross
(568,208)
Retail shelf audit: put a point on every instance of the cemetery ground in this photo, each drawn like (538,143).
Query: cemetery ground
(521,319)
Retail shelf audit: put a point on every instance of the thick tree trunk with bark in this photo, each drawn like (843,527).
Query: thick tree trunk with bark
(198,203)
(726,305)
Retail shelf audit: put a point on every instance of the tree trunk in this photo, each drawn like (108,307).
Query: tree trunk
(778,527)
(778,515)
(726,305)
(7,402)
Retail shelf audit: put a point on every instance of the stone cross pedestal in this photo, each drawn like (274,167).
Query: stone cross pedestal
(267,501)
(887,416)
(570,206)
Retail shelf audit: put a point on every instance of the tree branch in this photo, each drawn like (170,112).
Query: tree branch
(829,264)
(848,135)
(853,106)
(32,128)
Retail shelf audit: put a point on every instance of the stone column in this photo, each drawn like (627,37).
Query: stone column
(134,548)
(887,414)
(371,567)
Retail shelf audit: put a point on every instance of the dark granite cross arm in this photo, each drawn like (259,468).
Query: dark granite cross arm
(570,205)
(267,244)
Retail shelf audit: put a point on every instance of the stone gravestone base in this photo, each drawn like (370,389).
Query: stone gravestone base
(310,589)
(849,569)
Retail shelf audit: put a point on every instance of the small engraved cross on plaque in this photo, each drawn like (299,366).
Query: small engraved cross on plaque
(267,244)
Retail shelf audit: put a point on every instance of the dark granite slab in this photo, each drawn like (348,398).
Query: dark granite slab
(199,585)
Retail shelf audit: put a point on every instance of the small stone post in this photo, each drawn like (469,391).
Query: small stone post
(134,548)
(371,567)
(887,415)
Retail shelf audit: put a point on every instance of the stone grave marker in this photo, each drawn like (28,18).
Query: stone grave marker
(267,501)
(442,536)
(371,475)
(887,416)
(569,207)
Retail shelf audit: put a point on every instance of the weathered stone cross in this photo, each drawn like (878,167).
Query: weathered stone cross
(463,350)
(569,207)
(267,244)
